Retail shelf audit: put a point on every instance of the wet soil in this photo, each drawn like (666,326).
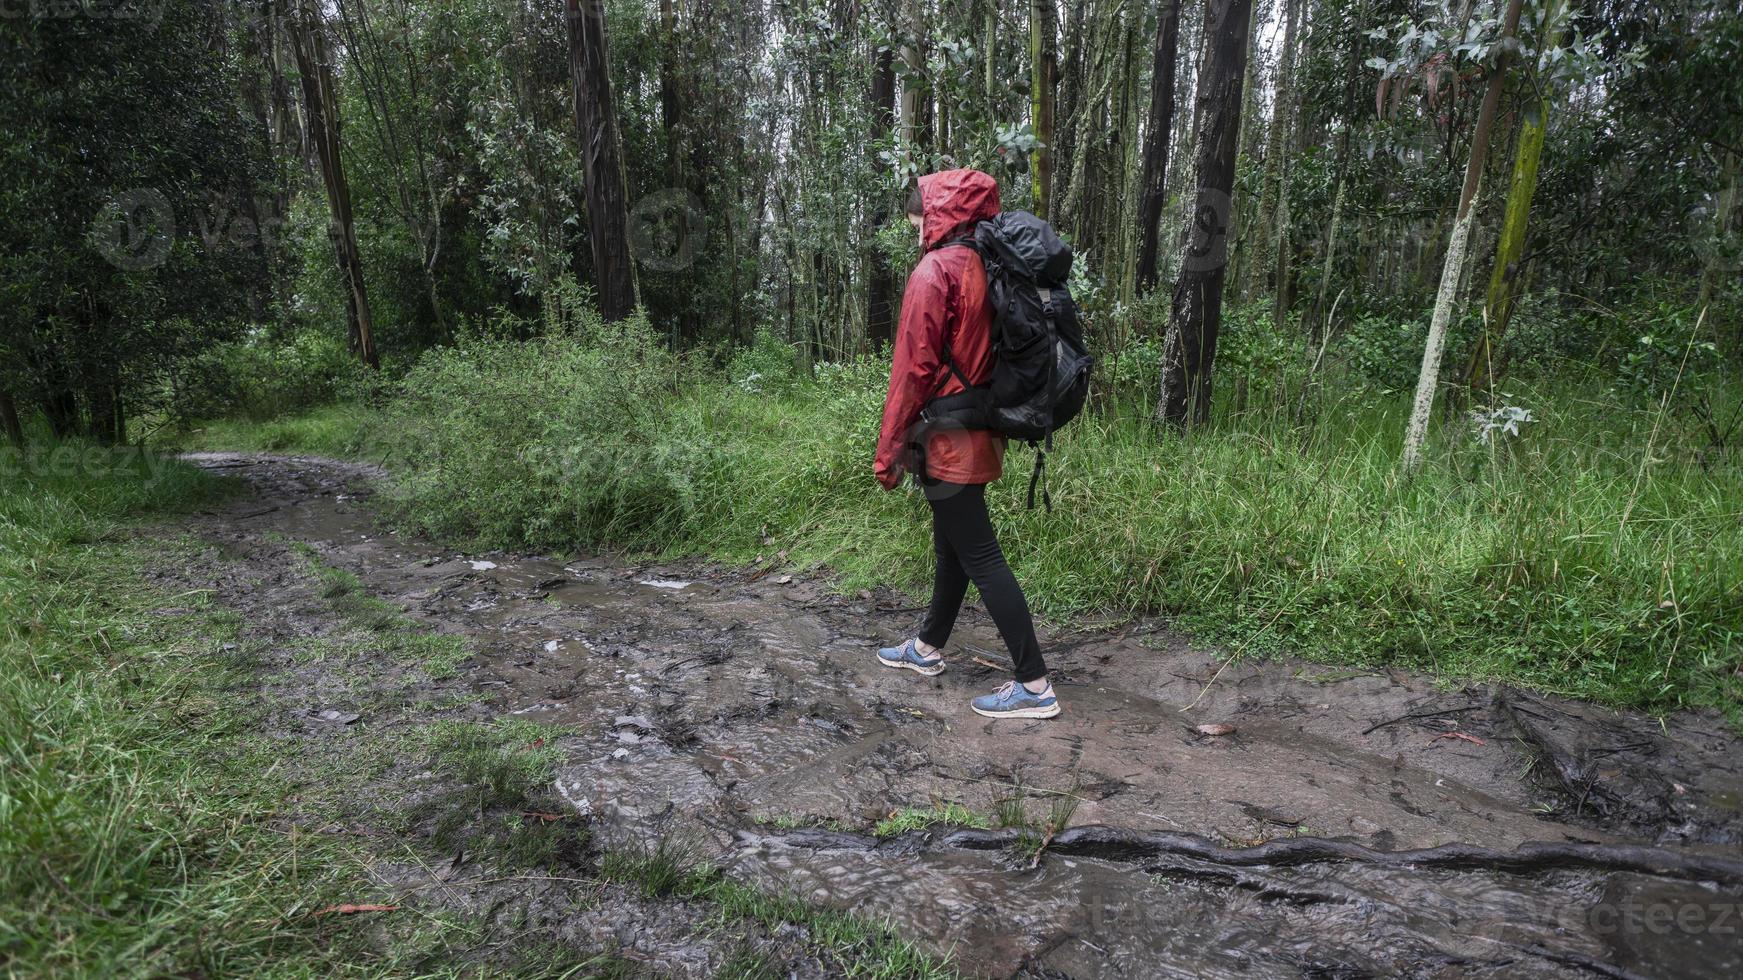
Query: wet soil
(732,708)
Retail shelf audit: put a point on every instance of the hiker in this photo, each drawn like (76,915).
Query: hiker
(943,345)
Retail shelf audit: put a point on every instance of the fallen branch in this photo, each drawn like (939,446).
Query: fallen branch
(1115,844)
(1371,729)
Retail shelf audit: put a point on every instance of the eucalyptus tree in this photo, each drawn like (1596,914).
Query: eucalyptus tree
(1189,350)
(321,109)
(1428,380)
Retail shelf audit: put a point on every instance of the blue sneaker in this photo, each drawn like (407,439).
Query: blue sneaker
(908,656)
(1016,701)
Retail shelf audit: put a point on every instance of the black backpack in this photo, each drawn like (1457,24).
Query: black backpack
(1041,366)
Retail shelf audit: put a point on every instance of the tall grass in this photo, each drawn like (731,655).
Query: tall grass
(129,846)
(1569,558)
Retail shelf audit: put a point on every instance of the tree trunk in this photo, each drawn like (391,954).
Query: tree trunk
(990,56)
(1429,378)
(1044,70)
(607,204)
(9,420)
(1270,213)
(1507,280)
(1713,276)
(880,316)
(321,103)
(914,102)
(1156,137)
(1189,352)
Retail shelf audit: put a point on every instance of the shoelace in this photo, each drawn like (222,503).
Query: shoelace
(1005,691)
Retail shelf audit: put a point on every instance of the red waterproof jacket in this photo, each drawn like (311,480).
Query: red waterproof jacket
(945,304)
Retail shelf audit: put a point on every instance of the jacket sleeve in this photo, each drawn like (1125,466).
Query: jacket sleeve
(916,368)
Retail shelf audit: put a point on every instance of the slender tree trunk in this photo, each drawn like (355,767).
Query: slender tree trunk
(1276,157)
(880,282)
(607,203)
(1044,68)
(1713,276)
(1507,279)
(1429,378)
(990,55)
(321,103)
(9,420)
(672,121)
(1318,314)
(1189,351)
(914,101)
(1156,138)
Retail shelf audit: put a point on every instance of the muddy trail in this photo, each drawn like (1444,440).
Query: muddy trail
(742,711)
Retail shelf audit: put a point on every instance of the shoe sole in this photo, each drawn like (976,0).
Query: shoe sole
(1051,711)
(932,671)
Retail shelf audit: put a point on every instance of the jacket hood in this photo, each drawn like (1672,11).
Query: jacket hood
(951,199)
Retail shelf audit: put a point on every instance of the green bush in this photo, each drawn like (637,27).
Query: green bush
(259,377)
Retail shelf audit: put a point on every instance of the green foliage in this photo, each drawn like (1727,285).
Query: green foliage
(769,364)
(920,818)
(258,378)
(135,837)
(112,271)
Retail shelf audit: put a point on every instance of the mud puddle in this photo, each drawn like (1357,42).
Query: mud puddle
(733,711)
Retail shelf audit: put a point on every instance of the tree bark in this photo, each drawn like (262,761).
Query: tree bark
(607,202)
(1713,276)
(9,420)
(1507,280)
(1044,71)
(1270,213)
(321,103)
(1156,140)
(1189,351)
(880,317)
(1429,377)
(914,103)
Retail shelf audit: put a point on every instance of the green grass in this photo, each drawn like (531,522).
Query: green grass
(329,430)
(938,814)
(137,811)
(388,630)
(854,945)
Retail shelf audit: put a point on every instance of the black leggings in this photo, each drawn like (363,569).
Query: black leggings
(967,549)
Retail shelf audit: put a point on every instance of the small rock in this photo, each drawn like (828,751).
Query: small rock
(552,645)
(335,716)
(483,566)
(620,754)
(633,721)
(1215,730)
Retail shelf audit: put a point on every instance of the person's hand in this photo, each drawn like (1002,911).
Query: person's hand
(890,477)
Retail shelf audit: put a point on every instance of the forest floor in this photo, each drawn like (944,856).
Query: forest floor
(696,715)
